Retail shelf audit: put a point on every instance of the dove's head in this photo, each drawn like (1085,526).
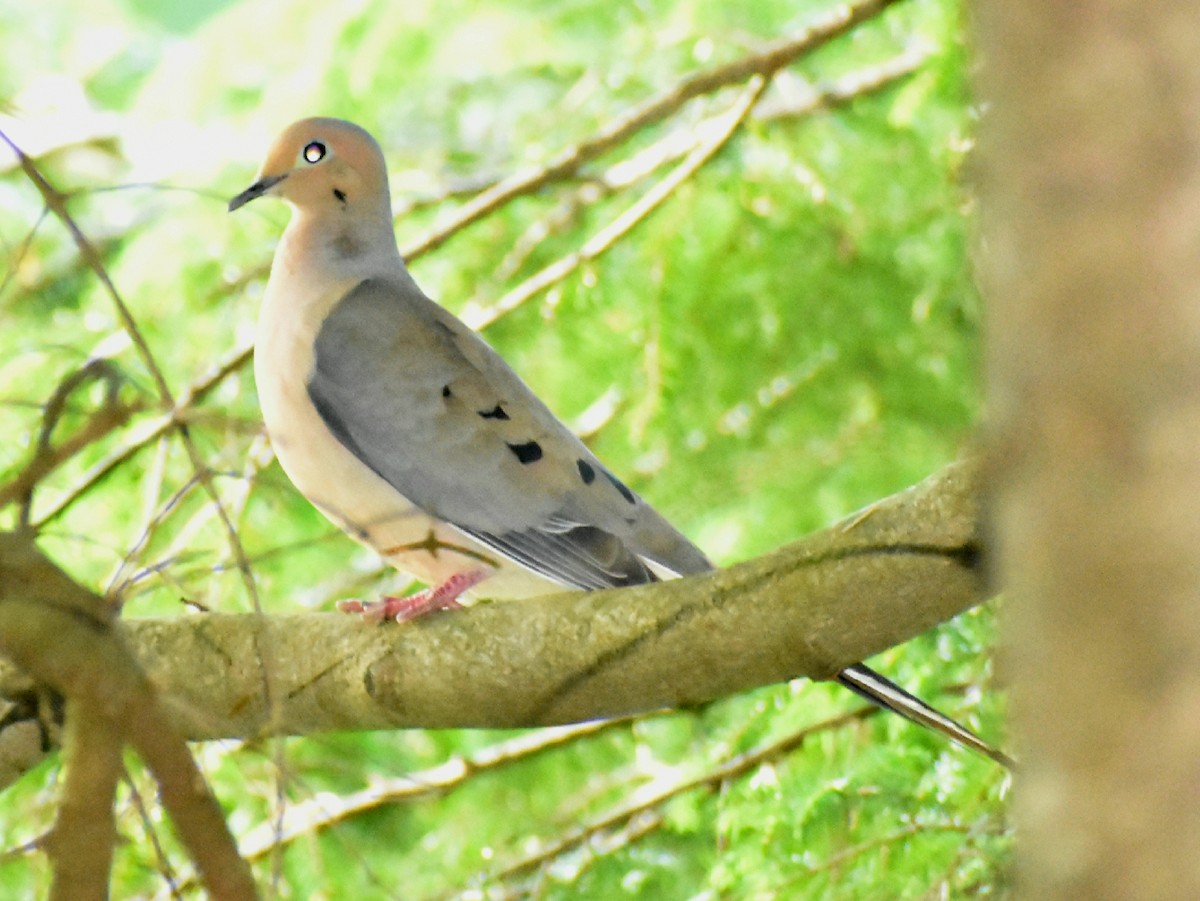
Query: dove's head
(322,164)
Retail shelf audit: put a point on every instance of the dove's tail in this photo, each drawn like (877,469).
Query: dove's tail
(865,682)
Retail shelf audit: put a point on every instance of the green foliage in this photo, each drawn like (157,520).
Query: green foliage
(790,337)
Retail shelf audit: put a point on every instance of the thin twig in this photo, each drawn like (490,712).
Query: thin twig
(763,63)
(56,201)
(723,129)
(669,149)
(47,457)
(179,414)
(599,847)
(650,797)
(117,583)
(151,826)
(315,815)
(18,255)
(848,88)
(312,816)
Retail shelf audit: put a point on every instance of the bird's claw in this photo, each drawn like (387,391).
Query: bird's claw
(402,609)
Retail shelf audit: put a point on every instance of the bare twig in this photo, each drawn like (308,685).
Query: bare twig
(654,796)
(669,149)
(763,63)
(47,457)
(313,816)
(56,201)
(598,847)
(18,254)
(149,434)
(837,861)
(117,582)
(722,130)
(847,89)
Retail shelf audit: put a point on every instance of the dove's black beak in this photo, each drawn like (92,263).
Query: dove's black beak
(255,191)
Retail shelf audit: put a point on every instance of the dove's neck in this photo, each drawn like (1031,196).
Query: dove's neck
(340,243)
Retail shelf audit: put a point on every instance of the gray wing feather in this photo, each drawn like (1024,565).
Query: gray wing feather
(585,557)
(433,410)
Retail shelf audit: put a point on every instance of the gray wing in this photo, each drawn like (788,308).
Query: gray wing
(425,403)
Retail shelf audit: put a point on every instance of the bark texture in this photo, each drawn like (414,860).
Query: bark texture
(885,575)
(1091,199)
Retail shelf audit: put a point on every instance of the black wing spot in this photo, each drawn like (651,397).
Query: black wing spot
(497,412)
(340,195)
(446,392)
(529,452)
(629,496)
(585,471)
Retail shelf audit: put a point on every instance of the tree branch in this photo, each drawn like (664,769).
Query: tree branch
(56,203)
(722,129)
(84,835)
(891,572)
(65,637)
(765,63)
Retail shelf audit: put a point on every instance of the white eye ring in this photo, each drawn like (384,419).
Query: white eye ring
(313,152)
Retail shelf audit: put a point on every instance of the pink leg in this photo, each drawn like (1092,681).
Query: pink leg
(440,597)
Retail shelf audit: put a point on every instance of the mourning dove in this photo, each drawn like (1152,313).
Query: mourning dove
(409,431)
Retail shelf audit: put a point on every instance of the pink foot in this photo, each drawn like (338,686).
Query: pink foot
(440,597)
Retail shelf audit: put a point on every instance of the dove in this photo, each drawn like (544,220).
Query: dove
(405,428)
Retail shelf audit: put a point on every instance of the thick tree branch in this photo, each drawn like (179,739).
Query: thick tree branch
(64,636)
(809,609)
(81,845)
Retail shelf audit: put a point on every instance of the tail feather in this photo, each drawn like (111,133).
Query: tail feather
(865,682)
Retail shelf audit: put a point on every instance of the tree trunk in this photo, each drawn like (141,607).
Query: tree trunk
(1091,251)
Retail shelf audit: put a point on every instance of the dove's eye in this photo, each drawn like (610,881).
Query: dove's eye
(313,152)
